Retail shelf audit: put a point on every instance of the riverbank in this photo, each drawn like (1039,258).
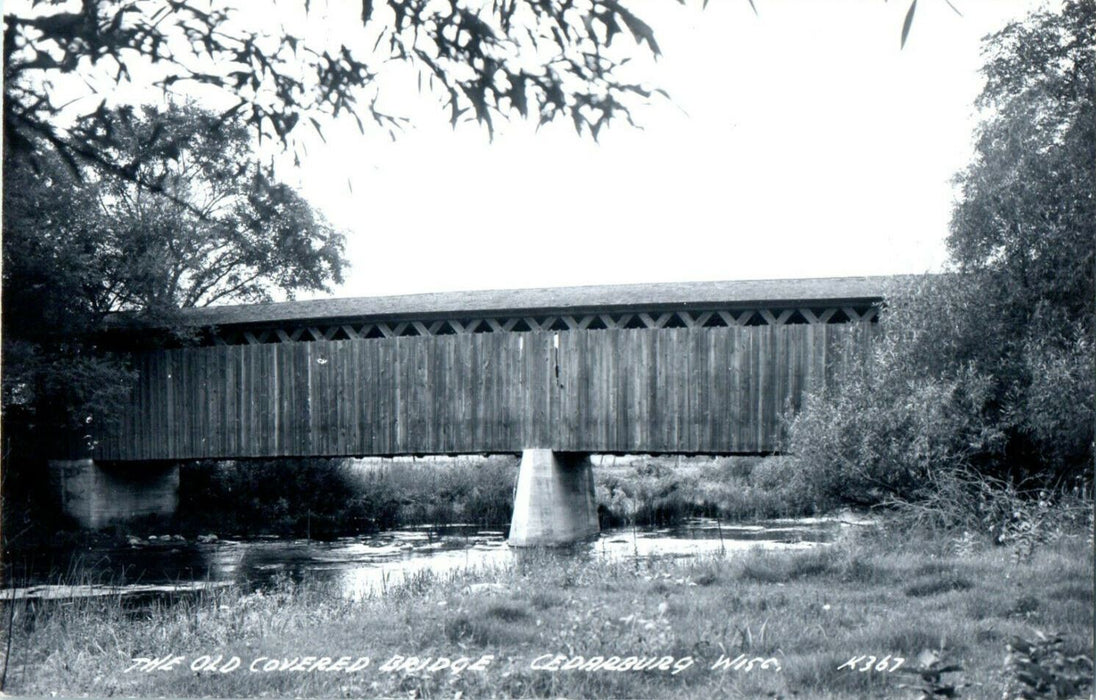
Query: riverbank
(665,490)
(328,498)
(745,626)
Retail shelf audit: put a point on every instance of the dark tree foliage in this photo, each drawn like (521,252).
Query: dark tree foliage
(1026,225)
(79,246)
(1028,202)
(216,228)
(545,58)
(989,371)
(109,207)
(51,269)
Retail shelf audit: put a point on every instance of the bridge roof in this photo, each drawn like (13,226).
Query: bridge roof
(600,298)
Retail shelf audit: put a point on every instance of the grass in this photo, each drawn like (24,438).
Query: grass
(810,611)
(648,490)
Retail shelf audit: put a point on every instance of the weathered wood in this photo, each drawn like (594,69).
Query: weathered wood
(696,389)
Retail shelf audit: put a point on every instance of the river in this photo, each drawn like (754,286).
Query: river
(369,564)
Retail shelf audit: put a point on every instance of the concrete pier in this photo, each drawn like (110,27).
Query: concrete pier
(554,504)
(97,496)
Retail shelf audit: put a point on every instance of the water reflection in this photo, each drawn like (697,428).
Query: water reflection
(369,565)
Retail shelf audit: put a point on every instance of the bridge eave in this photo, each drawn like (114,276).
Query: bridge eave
(573,300)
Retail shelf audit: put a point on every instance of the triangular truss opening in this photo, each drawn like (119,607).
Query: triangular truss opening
(374,332)
(340,334)
(675,321)
(796,319)
(839,316)
(549,323)
(596,324)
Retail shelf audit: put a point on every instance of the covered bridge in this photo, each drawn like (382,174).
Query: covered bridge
(690,368)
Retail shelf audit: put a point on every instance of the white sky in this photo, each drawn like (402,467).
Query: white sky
(800,142)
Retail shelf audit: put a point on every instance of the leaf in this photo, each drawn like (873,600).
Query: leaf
(640,30)
(908,23)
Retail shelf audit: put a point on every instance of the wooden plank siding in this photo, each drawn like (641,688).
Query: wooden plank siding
(678,390)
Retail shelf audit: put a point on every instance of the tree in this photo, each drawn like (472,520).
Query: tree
(110,208)
(1026,221)
(485,61)
(989,370)
(548,58)
(1027,209)
(81,246)
(214,229)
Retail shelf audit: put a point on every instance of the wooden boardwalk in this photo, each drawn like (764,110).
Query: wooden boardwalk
(714,377)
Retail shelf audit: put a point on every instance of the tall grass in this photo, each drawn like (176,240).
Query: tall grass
(442,490)
(883,593)
(645,490)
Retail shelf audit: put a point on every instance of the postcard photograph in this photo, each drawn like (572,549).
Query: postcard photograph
(548,349)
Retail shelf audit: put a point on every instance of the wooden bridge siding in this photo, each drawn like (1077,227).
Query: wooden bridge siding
(687,390)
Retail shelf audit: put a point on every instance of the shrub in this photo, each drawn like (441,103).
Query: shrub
(784,480)
(996,510)
(952,387)
(1044,669)
(1056,409)
(658,491)
(326,498)
(989,369)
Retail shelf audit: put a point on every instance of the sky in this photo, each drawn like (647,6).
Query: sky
(800,141)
